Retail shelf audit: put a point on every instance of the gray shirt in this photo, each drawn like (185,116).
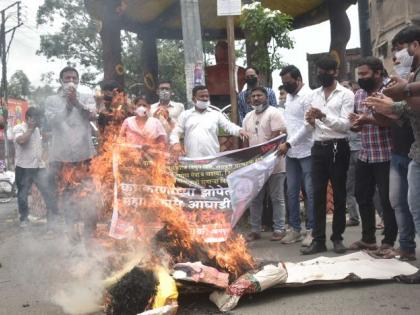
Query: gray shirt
(70,129)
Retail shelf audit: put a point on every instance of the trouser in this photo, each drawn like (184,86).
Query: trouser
(328,165)
(369,175)
(414,193)
(351,202)
(72,183)
(275,186)
(298,171)
(398,197)
(25,177)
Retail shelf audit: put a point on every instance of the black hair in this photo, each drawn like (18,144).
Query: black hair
(141,97)
(33,112)
(198,88)
(109,85)
(67,69)
(292,70)
(327,62)
(260,88)
(373,63)
(253,68)
(165,81)
(281,87)
(408,35)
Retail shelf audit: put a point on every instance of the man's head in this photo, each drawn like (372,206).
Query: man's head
(222,53)
(69,77)
(259,99)
(370,71)
(164,91)
(291,78)
(201,97)
(251,77)
(142,106)
(108,89)
(33,116)
(327,71)
(410,36)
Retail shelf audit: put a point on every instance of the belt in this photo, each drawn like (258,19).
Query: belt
(331,142)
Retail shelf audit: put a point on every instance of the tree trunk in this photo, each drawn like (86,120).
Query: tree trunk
(150,66)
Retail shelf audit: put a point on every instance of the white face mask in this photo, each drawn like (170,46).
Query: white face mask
(202,104)
(69,85)
(141,111)
(260,108)
(164,95)
(404,63)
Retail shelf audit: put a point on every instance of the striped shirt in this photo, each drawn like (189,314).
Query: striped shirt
(245,107)
(376,140)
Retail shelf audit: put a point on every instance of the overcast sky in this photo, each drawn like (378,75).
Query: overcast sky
(313,39)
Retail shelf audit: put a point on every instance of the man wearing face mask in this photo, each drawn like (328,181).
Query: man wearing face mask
(373,164)
(68,115)
(328,117)
(165,103)
(298,151)
(266,122)
(244,100)
(200,126)
(402,59)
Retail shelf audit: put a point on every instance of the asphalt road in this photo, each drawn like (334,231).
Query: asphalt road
(36,267)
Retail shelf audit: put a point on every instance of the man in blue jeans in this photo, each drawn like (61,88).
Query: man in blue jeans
(298,150)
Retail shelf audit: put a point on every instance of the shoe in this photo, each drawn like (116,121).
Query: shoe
(411,279)
(351,222)
(24,223)
(292,236)
(308,238)
(406,256)
(382,251)
(380,225)
(314,248)
(339,247)
(253,236)
(278,236)
(359,245)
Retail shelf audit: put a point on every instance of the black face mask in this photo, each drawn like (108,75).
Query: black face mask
(251,81)
(326,79)
(107,98)
(290,87)
(367,84)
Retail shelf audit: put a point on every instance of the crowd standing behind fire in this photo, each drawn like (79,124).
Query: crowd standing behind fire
(381,119)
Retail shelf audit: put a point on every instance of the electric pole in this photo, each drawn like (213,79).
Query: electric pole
(7,26)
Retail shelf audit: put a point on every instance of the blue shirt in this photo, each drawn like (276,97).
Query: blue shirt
(244,107)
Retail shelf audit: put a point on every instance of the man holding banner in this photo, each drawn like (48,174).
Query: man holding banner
(265,122)
(200,126)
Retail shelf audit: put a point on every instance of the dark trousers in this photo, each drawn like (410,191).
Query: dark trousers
(325,168)
(25,177)
(72,182)
(369,175)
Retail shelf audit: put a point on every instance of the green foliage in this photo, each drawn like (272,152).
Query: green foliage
(267,30)
(19,85)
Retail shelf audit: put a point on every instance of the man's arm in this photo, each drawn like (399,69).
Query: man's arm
(22,137)
(230,127)
(178,129)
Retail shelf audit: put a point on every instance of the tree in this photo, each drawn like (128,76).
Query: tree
(19,85)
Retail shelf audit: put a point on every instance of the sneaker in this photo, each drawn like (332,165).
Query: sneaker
(278,235)
(253,236)
(339,247)
(352,222)
(292,236)
(314,248)
(24,223)
(308,238)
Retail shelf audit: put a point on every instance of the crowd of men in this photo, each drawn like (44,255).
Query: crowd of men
(361,137)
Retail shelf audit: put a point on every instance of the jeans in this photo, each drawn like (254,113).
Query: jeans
(351,202)
(275,187)
(325,168)
(298,171)
(398,191)
(25,177)
(369,175)
(414,193)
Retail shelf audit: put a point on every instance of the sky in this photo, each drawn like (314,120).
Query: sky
(312,39)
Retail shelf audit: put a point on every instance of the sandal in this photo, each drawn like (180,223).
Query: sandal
(360,245)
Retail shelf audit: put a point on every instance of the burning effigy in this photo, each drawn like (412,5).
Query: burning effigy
(171,230)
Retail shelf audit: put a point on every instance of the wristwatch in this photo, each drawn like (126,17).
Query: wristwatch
(407,90)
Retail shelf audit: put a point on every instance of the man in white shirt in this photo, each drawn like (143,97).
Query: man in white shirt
(165,103)
(265,122)
(29,165)
(298,150)
(328,116)
(200,126)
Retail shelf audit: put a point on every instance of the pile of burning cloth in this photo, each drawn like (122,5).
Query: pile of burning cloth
(162,289)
